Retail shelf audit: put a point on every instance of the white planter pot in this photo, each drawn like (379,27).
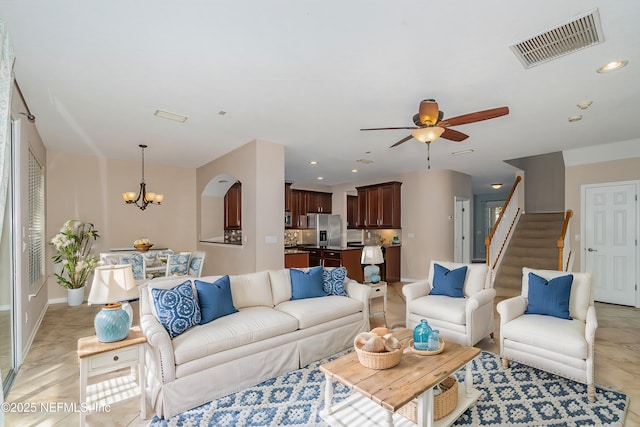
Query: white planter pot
(75,296)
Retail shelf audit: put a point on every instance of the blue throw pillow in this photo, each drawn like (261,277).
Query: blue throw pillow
(177,308)
(307,284)
(448,282)
(549,297)
(333,281)
(214,299)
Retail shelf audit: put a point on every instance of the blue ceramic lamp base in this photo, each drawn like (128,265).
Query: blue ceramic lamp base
(112,323)
(371,274)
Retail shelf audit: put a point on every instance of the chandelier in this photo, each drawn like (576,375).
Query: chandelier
(143,198)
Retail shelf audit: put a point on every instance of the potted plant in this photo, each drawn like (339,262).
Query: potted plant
(73,249)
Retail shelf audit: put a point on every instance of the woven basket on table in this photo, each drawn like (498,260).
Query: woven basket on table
(443,403)
(385,360)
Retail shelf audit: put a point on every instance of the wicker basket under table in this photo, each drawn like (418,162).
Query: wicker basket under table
(443,404)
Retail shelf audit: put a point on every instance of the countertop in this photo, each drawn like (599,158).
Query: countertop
(334,248)
(291,251)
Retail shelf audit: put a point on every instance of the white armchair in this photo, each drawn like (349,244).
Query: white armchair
(464,320)
(561,346)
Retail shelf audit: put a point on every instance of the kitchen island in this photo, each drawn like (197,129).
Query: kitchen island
(337,256)
(295,258)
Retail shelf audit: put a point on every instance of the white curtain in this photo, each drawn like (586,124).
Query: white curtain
(6,79)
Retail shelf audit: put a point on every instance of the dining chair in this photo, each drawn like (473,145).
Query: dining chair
(109,259)
(138,266)
(196,263)
(178,264)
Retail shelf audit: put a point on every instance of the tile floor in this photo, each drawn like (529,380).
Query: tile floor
(50,371)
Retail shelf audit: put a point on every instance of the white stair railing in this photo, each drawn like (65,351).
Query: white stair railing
(502,230)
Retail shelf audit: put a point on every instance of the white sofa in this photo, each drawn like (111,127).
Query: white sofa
(561,346)
(269,335)
(465,320)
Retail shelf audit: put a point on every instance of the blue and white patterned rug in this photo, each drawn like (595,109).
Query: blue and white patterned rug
(518,396)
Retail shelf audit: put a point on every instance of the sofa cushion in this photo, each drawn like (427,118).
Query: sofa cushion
(333,281)
(251,290)
(246,326)
(314,311)
(214,299)
(280,285)
(448,282)
(549,333)
(581,290)
(176,308)
(549,297)
(306,284)
(441,307)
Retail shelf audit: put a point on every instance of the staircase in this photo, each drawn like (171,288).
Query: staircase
(533,245)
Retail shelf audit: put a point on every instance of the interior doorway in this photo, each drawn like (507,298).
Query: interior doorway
(610,223)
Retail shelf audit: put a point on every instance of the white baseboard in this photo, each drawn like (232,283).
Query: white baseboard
(57,300)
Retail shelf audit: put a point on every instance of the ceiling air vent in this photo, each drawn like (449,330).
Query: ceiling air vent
(579,33)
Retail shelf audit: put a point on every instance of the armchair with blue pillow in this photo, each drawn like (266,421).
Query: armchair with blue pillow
(456,299)
(551,325)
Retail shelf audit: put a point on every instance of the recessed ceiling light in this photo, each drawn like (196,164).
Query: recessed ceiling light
(467,151)
(365,161)
(584,104)
(575,118)
(171,116)
(612,66)
(354,170)
(320,177)
(496,185)
(313,162)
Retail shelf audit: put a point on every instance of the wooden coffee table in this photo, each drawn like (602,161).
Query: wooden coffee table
(381,393)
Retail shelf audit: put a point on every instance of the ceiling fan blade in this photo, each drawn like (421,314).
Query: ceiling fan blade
(475,117)
(413,127)
(428,112)
(401,141)
(453,135)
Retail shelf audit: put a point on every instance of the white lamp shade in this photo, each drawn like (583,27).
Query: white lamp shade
(372,255)
(112,283)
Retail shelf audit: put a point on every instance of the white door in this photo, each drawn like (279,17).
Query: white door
(610,240)
(462,229)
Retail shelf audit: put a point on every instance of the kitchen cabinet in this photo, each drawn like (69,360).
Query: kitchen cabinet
(352,212)
(296,259)
(304,202)
(390,270)
(379,206)
(348,258)
(318,202)
(287,197)
(233,207)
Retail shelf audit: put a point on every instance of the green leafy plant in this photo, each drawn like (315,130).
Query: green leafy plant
(73,246)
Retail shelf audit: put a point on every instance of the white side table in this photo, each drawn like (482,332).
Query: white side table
(378,290)
(97,358)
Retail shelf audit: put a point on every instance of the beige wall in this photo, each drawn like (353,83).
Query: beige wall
(259,165)
(427,202)
(593,173)
(89,188)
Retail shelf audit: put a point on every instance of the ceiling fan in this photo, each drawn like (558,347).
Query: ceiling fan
(429,123)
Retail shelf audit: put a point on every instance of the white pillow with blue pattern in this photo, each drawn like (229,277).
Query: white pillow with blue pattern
(177,308)
(333,281)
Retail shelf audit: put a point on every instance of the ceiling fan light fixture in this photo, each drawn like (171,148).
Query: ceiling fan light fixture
(428,134)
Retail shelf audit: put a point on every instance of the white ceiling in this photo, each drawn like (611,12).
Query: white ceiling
(310,74)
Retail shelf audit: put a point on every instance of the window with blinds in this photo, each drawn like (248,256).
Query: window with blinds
(36,223)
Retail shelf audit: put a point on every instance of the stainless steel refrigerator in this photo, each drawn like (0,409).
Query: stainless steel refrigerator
(327,228)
